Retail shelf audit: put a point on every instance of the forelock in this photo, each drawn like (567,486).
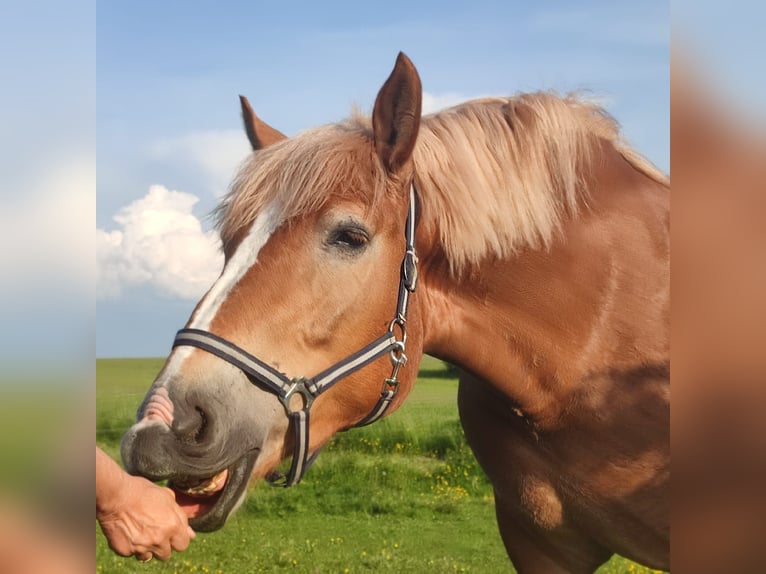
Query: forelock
(300,174)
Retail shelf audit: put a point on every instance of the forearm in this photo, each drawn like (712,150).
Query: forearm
(110,480)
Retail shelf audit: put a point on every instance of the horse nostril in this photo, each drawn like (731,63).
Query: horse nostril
(199,435)
(192,425)
(159,407)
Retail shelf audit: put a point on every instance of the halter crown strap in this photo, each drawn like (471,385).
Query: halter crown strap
(285,387)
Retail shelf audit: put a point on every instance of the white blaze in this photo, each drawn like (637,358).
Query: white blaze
(244,258)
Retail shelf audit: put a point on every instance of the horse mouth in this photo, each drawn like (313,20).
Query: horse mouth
(208,501)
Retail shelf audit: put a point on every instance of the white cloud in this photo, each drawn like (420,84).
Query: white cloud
(159,242)
(217,154)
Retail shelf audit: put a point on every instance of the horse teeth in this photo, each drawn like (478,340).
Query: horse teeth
(203,487)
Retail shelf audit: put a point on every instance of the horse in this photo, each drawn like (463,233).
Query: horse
(520,239)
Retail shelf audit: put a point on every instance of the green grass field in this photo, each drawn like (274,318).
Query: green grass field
(404,495)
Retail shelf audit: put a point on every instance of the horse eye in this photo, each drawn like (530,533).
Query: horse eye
(352,238)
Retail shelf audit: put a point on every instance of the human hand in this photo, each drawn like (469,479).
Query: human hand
(142,518)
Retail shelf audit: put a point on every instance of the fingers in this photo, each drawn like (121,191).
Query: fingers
(164,552)
(160,552)
(182,538)
(153,526)
(180,542)
(121,547)
(183,519)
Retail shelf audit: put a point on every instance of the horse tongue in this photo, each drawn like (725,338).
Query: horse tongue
(193,507)
(195,500)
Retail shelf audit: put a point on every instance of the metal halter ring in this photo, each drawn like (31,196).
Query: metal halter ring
(397,352)
(400,322)
(299,387)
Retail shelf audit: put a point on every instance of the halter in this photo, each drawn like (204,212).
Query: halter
(310,388)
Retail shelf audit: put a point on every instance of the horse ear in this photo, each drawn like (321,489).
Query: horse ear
(396,116)
(259,133)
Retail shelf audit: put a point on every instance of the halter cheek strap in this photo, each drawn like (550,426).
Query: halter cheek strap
(310,388)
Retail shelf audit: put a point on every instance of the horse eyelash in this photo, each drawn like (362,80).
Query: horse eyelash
(352,238)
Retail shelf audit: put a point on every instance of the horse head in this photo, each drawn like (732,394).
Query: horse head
(312,301)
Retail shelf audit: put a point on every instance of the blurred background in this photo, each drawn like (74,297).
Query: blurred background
(47,309)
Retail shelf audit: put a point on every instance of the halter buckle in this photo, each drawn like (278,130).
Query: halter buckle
(299,387)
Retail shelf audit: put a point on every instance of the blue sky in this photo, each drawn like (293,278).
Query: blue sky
(169,132)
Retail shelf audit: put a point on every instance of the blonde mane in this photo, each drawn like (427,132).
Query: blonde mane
(499,174)
(493,175)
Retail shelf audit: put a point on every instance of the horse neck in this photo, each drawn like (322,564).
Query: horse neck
(541,326)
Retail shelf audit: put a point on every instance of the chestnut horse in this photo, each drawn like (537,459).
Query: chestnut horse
(518,238)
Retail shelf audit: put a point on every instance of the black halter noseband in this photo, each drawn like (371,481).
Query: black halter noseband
(310,388)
